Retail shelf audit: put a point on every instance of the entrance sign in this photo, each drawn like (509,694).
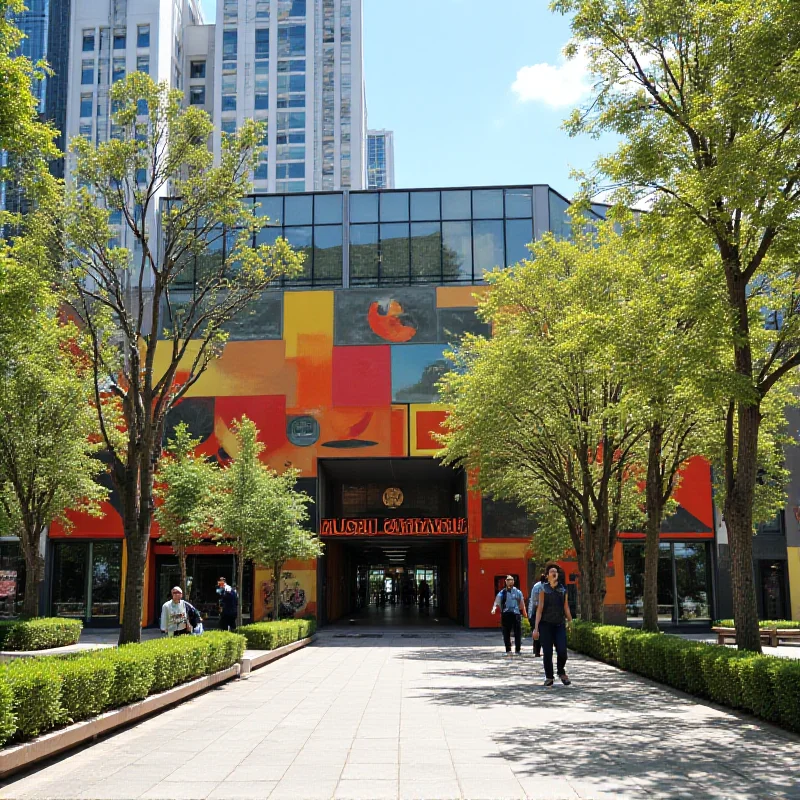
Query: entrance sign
(414,526)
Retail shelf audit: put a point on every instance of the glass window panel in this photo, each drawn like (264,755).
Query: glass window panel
(69,579)
(426,252)
(457,251)
(666,594)
(143,36)
(363,208)
(328,208)
(634,580)
(487,204)
(87,72)
(394,252)
(519,203)
(328,254)
(268,235)
(197,95)
(197,69)
(363,252)
(298,211)
(692,581)
(262,42)
(300,240)
(394,206)
(210,260)
(519,234)
(143,64)
(455,205)
(560,223)
(229,44)
(487,237)
(88,40)
(86,105)
(106,568)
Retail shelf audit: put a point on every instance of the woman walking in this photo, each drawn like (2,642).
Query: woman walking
(552,617)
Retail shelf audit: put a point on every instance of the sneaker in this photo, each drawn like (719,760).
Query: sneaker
(565,679)
(518,653)
(508,654)
(548,682)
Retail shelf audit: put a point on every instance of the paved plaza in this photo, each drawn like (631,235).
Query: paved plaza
(423,714)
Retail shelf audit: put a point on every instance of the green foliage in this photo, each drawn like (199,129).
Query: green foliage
(8,722)
(39,634)
(86,687)
(271,635)
(785,624)
(766,686)
(36,687)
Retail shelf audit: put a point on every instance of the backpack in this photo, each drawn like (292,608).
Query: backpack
(192,614)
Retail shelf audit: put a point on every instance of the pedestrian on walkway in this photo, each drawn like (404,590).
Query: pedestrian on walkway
(533,601)
(228,605)
(552,617)
(511,603)
(175,614)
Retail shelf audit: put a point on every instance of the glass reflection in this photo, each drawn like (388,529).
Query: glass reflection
(328,254)
(363,252)
(692,581)
(300,240)
(487,245)
(394,206)
(560,223)
(297,210)
(426,252)
(457,251)
(487,204)
(271,207)
(519,234)
(328,209)
(69,579)
(363,208)
(456,205)
(424,205)
(519,203)
(394,252)
(106,567)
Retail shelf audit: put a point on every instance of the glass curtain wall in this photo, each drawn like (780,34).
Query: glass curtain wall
(684,581)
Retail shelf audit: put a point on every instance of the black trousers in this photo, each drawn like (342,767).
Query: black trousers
(553,635)
(227,622)
(512,621)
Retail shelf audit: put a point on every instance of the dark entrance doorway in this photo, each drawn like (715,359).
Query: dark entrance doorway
(392,576)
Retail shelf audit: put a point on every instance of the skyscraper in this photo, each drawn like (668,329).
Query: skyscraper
(380,159)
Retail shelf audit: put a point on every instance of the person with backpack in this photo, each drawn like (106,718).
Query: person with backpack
(228,605)
(511,603)
(178,616)
(533,601)
(552,617)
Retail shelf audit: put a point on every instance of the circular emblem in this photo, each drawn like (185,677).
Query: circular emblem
(393,497)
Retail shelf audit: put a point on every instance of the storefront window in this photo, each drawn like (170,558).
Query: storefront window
(69,579)
(12,579)
(106,571)
(693,582)
(87,580)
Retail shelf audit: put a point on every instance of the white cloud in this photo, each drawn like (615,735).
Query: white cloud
(556,85)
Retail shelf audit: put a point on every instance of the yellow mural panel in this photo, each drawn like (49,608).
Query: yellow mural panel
(306,313)
(459,296)
(298,592)
(425,418)
(498,550)
(793,557)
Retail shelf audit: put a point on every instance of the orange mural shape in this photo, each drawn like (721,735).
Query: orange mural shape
(390,322)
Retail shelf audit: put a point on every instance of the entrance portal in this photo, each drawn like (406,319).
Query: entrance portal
(395,541)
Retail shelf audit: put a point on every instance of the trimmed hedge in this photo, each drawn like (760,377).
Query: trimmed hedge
(271,635)
(785,624)
(37,694)
(41,633)
(766,686)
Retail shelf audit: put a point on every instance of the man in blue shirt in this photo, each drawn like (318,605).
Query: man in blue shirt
(511,603)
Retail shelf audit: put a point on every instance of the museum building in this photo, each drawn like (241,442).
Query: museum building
(338,369)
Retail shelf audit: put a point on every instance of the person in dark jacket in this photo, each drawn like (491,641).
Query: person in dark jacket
(552,617)
(228,605)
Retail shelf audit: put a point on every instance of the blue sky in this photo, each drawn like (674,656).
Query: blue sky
(473,98)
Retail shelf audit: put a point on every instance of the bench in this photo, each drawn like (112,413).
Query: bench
(769,636)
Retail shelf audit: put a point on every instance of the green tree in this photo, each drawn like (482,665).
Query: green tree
(156,320)
(704,95)
(258,512)
(184,483)
(539,415)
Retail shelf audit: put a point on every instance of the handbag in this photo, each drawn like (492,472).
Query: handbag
(198,630)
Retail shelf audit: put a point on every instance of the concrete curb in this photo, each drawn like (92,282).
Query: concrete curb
(259,658)
(20,756)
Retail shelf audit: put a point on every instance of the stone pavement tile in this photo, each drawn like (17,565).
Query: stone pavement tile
(443,771)
(141,773)
(171,790)
(429,790)
(200,773)
(485,769)
(252,790)
(546,788)
(252,773)
(602,790)
(304,790)
(117,791)
(265,755)
(374,789)
(44,790)
(373,757)
(309,772)
(370,771)
(492,789)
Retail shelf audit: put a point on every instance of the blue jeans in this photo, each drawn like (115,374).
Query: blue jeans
(549,635)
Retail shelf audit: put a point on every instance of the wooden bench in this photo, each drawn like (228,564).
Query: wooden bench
(769,636)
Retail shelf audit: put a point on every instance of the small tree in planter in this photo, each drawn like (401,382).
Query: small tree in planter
(258,513)
(183,484)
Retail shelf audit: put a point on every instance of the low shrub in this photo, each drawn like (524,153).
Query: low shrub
(36,688)
(39,634)
(786,624)
(85,688)
(271,635)
(766,686)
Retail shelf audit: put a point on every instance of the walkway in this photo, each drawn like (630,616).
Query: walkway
(411,716)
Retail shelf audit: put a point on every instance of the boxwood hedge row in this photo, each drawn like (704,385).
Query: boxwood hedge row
(39,634)
(780,624)
(271,635)
(766,686)
(37,694)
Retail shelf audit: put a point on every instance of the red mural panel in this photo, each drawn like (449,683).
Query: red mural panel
(362,375)
(429,422)
(268,412)
(695,493)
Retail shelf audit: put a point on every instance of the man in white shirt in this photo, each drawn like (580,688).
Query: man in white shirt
(174,615)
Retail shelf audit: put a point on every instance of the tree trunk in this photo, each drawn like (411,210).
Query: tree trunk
(655,510)
(184,578)
(277,570)
(592,586)
(239,588)
(34,575)
(131,630)
(739,521)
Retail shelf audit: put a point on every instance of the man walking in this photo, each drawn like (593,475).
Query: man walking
(175,615)
(228,605)
(511,603)
(533,601)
